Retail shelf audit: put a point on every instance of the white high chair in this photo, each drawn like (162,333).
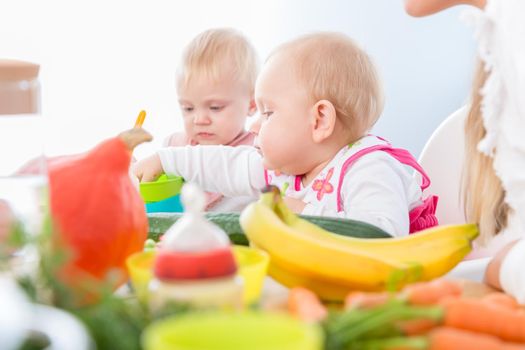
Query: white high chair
(442,159)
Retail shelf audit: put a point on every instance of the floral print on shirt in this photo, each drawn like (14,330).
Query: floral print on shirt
(324,186)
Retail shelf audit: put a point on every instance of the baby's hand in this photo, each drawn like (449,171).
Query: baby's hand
(148,169)
(294,204)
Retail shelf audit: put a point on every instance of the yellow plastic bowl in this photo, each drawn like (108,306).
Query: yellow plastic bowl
(223,331)
(252,264)
(140,269)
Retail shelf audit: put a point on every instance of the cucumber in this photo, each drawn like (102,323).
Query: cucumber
(347,227)
(159,223)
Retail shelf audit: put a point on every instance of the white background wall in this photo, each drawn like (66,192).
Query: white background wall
(104,60)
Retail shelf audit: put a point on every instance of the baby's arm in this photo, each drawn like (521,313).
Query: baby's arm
(231,171)
(374,190)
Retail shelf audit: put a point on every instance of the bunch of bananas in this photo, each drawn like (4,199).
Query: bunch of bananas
(303,254)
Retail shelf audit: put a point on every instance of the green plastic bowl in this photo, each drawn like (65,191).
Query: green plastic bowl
(165,187)
(224,331)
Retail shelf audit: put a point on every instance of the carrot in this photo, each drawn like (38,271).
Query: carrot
(416,326)
(440,339)
(479,316)
(305,305)
(451,339)
(364,300)
(428,293)
(422,293)
(502,299)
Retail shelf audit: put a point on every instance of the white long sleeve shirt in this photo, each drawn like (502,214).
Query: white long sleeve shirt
(500,29)
(377,189)
(501,33)
(512,275)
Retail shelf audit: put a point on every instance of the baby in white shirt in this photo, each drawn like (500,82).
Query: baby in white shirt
(318,97)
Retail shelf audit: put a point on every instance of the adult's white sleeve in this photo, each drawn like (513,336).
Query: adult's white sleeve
(231,171)
(512,272)
(376,190)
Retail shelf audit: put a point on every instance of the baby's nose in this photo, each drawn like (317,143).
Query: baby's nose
(201,118)
(256,126)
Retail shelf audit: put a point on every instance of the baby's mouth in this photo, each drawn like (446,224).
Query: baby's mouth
(257,147)
(205,135)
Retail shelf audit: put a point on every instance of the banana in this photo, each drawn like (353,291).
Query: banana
(331,265)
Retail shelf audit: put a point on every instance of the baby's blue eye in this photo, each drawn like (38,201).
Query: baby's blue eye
(216,108)
(187,109)
(267,114)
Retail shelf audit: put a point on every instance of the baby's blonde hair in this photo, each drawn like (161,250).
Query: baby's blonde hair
(483,193)
(213,51)
(333,67)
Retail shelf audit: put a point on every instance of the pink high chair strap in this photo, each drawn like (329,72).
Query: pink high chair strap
(424,216)
(401,155)
(421,217)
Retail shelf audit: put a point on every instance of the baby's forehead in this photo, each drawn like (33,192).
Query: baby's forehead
(281,57)
(219,69)
(278,70)
(210,81)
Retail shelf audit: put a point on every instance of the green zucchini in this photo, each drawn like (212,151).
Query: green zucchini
(159,223)
(347,227)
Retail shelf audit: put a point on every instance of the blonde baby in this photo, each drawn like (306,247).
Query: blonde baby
(318,96)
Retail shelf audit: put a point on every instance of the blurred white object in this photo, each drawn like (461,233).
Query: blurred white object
(14,316)
(21,124)
(63,330)
(473,270)
(192,232)
(22,140)
(19,317)
(442,159)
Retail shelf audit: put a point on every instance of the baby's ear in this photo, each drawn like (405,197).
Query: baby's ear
(252,108)
(323,120)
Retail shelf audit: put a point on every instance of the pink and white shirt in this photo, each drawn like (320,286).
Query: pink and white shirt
(375,188)
(346,189)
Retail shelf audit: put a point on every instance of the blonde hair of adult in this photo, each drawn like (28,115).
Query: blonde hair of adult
(215,53)
(483,193)
(333,67)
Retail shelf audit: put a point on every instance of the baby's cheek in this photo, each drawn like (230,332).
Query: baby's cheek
(271,154)
(264,143)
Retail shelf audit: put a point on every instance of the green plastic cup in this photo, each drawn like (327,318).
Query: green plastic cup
(165,187)
(224,331)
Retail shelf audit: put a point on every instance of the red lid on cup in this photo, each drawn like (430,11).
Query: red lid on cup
(217,263)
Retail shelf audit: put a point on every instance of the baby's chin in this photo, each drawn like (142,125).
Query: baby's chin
(208,143)
(271,167)
(208,139)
